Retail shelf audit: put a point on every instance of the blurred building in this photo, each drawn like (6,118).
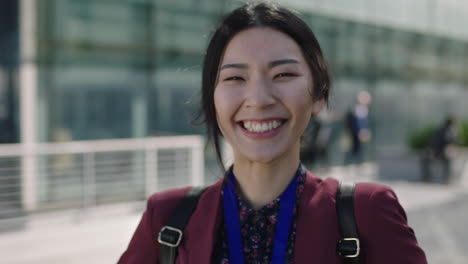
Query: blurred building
(102,69)
(119,69)
(410,55)
(131,68)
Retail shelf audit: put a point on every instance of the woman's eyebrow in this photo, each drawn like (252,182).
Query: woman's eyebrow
(271,64)
(234,65)
(282,61)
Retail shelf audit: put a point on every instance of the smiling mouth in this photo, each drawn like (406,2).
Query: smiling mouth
(262,127)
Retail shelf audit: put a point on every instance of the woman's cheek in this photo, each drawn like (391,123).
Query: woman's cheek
(225,102)
(298,97)
(228,97)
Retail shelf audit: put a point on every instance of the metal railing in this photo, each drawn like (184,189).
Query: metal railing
(44,176)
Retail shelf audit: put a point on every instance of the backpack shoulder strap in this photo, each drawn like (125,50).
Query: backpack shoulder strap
(348,246)
(171,234)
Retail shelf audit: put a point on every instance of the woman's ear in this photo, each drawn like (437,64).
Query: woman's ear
(318,106)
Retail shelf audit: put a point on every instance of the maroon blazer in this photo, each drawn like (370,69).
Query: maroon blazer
(384,233)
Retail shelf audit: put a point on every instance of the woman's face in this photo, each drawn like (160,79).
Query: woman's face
(263,95)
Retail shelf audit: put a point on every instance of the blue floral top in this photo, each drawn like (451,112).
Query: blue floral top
(258,229)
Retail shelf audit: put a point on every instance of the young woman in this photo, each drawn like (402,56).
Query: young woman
(264,77)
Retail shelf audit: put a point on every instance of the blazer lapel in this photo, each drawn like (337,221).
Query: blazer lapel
(317,228)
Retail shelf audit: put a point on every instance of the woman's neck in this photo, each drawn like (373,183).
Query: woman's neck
(261,183)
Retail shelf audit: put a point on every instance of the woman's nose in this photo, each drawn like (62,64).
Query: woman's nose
(259,93)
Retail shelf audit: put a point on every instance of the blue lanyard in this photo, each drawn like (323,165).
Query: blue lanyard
(231,218)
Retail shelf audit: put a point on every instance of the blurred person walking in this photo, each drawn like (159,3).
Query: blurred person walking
(357,125)
(320,137)
(440,150)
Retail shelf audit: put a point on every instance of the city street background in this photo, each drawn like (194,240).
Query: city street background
(97,99)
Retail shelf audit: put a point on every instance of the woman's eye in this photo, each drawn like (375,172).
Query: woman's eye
(234,78)
(285,74)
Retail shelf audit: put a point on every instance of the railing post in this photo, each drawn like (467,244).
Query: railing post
(89,180)
(28,99)
(28,179)
(151,171)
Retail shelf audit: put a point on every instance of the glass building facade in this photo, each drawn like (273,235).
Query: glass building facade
(120,69)
(132,68)
(415,79)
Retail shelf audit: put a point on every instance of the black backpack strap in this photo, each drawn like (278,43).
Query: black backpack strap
(171,234)
(348,246)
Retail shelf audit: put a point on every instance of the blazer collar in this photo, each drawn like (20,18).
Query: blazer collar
(202,231)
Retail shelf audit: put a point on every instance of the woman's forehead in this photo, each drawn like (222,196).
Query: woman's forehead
(261,44)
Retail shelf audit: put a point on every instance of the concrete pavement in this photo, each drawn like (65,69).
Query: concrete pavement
(97,235)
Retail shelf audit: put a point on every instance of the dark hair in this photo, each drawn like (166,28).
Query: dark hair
(260,15)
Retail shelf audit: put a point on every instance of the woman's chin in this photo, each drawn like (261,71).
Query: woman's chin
(263,157)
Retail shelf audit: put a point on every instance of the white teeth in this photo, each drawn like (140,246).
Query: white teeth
(276,124)
(261,127)
(258,127)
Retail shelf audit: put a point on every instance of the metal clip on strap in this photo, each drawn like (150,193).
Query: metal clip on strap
(348,248)
(170,236)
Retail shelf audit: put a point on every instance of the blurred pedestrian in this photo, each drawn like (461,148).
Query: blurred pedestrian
(441,145)
(357,124)
(264,77)
(319,140)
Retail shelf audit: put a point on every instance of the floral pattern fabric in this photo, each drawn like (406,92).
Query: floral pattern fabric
(258,229)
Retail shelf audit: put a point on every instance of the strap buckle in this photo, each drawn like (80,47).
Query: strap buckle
(348,247)
(170,236)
